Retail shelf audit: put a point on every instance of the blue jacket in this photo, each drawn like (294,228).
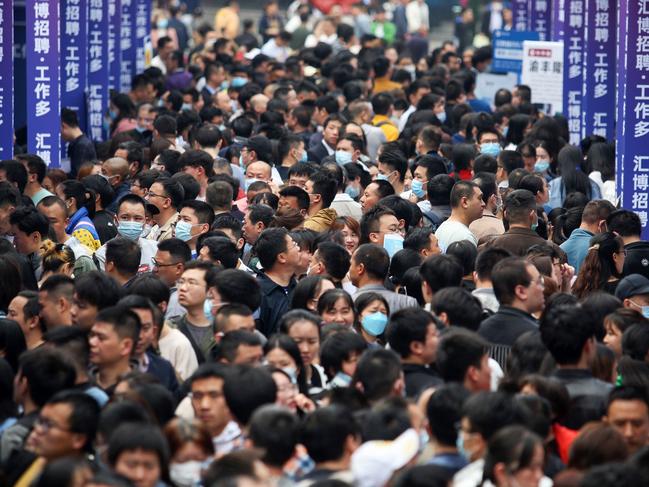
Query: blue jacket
(558,193)
(576,247)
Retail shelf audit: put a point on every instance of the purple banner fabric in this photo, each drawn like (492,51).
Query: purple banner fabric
(142,38)
(43,110)
(114,36)
(599,91)
(97,98)
(633,109)
(557,31)
(573,80)
(6,80)
(520,15)
(127,44)
(74,50)
(540,18)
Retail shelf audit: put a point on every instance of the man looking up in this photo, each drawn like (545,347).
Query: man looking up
(321,188)
(166,194)
(200,165)
(393,165)
(466,207)
(169,265)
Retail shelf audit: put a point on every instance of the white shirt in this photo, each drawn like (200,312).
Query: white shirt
(418,17)
(280,53)
(147,247)
(346,206)
(176,348)
(403,119)
(453,231)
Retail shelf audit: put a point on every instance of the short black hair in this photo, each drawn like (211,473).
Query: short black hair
(625,223)
(375,260)
(166,125)
(370,221)
(458,350)
(335,258)
(338,348)
(565,329)
(395,159)
(246,388)
(325,186)
(84,415)
(178,250)
(235,286)
(486,260)
(628,393)
(125,254)
(97,289)
(406,326)
(489,412)
(324,432)
(173,190)
(440,271)
(462,189)
(376,372)
(197,158)
(47,372)
(139,436)
(443,412)
(29,220)
(511,160)
(150,286)
(123,320)
(35,165)
(462,308)
(518,205)
(204,212)
(296,192)
(223,250)
(275,430)
(260,213)
(227,348)
(15,172)
(506,275)
(439,189)
(130,198)
(228,222)
(401,207)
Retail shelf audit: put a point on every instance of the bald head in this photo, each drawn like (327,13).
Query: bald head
(259,103)
(116,169)
(259,170)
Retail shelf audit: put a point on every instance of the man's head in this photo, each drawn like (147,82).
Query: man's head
(437,272)
(55,301)
(628,413)
(170,259)
(93,291)
(256,220)
(230,317)
(331,259)
(463,357)
(192,286)
(377,223)
(207,399)
(596,213)
(374,192)
(369,262)
(239,347)
(443,411)
(423,241)
(321,188)
(520,208)
(131,216)
(393,165)
(233,286)
(257,148)
(195,218)
(115,170)
(466,200)
(219,195)
(274,430)
(625,223)
(247,388)
(294,197)
(412,333)
(198,164)
(379,375)
(331,130)
(66,426)
(113,336)
(69,125)
(518,283)
(330,434)
(276,249)
(568,332)
(24,310)
(42,372)
(29,228)
(150,321)
(122,258)
(166,194)
(53,208)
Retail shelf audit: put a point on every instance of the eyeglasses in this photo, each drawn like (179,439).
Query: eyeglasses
(158,264)
(47,424)
(200,395)
(623,251)
(151,194)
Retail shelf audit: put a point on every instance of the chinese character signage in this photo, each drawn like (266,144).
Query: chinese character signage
(43,110)
(558,20)
(74,50)
(600,66)
(127,45)
(540,18)
(508,50)
(632,141)
(97,95)
(520,14)
(114,36)
(543,73)
(142,35)
(6,80)
(574,46)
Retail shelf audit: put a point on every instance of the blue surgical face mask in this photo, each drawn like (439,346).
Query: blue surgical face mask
(304,157)
(248,182)
(382,177)
(140,129)
(241,163)
(417,187)
(535,225)
(441,116)
(292,373)
(352,191)
(490,148)
(207,309)
(130,230)
(374,324)
(184,231)
(224,85)
(112,114)
(341,380)
(163,23)
(239,81)
(186,106)
(542,165)
(459,443)
(505,130)
(343,157)
(645,311)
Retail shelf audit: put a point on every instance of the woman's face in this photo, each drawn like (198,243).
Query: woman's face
(280,359)
(613,338)
(618,259)
(542,154)
(325,285)
(531,475)
(286,391)
(374,307)
(407,182)
(307,337)
(351,239)
(305,258)
(341,313)
(190,451)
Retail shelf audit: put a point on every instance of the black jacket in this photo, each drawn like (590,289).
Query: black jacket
(318,153)
(503,329)
(275,301)
(637,259)
(588,397)
(419,378)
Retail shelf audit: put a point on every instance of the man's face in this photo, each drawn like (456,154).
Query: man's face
(388,171)
(299,181)
(106,346)
(158,197)
(631,419)
(189,215)
(192,288)
(535,297)
(248,355)
(83,313)
(145,118)
(292,252)
(346,146)
(166,268)
(433,247)
(387,224)
(148,331)
(25,244)
(370,197)
(331,133)
(250,230)
(58,219)
(475,205)
(418,95)
(49,312)
(258,170)
(5,213)
(637,302)
(454,64)
(236,322)
(51,436)
(288,202)
(131,212)
(314,198)
(16,313)
(209,404)
(142,467)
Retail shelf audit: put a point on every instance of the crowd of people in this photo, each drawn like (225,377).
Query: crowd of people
(321,264)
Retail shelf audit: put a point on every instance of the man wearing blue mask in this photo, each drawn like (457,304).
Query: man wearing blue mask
(130,219)
(489,142)
(633,291)
(194,219)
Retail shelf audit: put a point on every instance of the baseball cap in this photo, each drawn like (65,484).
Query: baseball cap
(374,462)
(632,285)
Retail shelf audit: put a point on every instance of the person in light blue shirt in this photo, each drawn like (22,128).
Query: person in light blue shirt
(571,178)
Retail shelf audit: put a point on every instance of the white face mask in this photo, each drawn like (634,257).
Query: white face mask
(186,474)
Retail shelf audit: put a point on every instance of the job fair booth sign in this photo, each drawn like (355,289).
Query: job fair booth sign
(542,71)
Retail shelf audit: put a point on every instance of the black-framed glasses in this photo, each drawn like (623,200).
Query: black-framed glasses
(47,424)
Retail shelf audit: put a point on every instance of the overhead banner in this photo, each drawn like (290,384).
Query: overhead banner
(600,67)
(142,35)
(540,18)
(520,15)
(43,109)
(573,84)
(508,50)
(127,44)
(114,36)
(543,68)
(74,52)
(97,97)
(6,80)
(557,31)
(632,141)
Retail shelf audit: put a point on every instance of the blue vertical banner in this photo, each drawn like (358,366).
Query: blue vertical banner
(6,80)
(557,31)
(114,50)
(520,15)
(541,18)
(43,109)
(632,158)
(600,65)
(97,96)
(20,66)
(127,46)
(142,35)
(573,81)
(74,51)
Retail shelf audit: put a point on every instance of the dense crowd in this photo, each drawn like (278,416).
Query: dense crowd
(314,257)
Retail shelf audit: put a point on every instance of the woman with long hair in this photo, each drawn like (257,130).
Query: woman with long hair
(602,267)
(571,178)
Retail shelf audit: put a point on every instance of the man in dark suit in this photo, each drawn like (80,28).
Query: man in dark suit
(330,132)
